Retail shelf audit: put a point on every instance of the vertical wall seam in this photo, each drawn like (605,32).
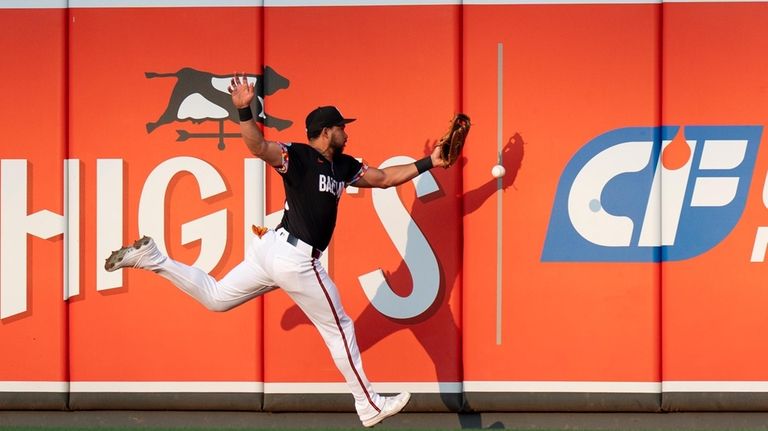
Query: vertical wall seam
(460,254)
(660,80)
(67,139)
(262,59)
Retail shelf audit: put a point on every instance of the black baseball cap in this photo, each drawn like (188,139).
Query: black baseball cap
(325,116)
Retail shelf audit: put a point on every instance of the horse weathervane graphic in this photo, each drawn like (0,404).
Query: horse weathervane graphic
(200,96)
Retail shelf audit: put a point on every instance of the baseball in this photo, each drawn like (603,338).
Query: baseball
(498,171)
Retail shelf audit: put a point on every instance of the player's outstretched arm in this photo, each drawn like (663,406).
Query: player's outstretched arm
(242,95)
(396,175)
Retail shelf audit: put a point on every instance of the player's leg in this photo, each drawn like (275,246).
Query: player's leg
(239,285)
(245,281)
(309,285)
(317,297)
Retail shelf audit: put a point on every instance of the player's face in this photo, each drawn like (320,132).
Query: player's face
(338,139)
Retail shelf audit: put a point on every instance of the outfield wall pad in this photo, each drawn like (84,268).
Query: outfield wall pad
(616,266)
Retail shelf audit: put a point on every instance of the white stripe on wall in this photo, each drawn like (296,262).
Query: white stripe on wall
(342,388)
(389,387)
(715,386)
(310,3)
(162,3)
(33,4)
(157,387)
(60,4)
(714,1)
(21,386)
(558,2)
(557,386)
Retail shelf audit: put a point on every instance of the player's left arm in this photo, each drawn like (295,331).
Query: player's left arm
(395,175)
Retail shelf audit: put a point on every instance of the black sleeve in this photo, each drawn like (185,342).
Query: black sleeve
(354,169)
(292,165)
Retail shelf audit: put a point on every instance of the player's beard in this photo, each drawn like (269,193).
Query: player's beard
(337,145)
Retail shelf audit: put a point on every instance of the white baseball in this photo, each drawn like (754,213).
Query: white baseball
(498,171)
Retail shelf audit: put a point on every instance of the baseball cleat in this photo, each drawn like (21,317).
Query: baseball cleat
(392,406)
(142,252)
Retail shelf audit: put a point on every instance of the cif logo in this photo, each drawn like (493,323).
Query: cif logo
(650,194)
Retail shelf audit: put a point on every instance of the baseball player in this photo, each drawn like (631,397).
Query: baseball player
(314,177)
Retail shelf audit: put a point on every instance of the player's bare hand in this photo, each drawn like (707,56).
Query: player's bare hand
(241,91)
(437,156)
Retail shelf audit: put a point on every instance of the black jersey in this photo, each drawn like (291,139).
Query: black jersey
(313,187)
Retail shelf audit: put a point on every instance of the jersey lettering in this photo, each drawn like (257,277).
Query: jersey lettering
(330,185)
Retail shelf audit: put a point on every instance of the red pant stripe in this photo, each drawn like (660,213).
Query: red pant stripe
(344,338)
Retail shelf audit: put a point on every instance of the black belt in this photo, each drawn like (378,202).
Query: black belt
(292,240)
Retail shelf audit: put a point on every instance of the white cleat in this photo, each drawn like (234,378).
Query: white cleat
(392,406)
(141,253)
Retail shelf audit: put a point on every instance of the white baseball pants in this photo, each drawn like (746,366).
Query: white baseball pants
(270,262)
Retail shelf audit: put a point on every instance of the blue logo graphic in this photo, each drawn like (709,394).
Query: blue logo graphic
(650,194)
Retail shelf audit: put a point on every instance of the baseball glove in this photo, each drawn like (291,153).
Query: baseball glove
(453,141)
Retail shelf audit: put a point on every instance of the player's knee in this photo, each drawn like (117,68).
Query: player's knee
(346,322)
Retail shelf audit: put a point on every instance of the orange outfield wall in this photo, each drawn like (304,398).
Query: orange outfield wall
(33,116)
(569,73)
(144,115)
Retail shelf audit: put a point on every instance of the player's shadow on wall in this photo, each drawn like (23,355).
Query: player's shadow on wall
(369,329)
